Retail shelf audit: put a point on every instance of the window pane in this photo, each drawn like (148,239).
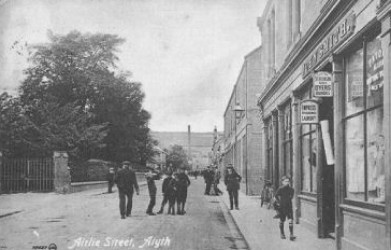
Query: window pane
(375,71)
(305,160)
(288,157)
(355,158)
(355,89)
(305,128)
(375,150)
(314,152)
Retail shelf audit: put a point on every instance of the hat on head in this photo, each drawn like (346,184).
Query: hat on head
(126,163)
(230,166)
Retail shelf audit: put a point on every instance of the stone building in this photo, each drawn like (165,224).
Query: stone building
(242,131)
(326,114)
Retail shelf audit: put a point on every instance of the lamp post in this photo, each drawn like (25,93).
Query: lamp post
(238,111)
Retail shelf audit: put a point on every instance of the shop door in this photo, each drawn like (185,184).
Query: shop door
(326,213)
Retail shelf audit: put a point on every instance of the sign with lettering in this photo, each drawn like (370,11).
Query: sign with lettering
(323,84)
(339,34)
(309,112)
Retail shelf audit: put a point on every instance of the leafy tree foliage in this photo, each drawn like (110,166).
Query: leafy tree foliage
(177,157)
(74,98)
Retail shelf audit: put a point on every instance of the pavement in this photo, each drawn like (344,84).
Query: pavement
(261,231)
(11,204)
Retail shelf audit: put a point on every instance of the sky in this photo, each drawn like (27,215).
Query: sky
(186,53)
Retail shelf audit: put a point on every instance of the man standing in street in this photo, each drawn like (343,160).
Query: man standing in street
(232,181)
(126,180)
(183,182)
(151,176)
(208,177)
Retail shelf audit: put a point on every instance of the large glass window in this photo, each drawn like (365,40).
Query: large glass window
(287,140)
(270,150)
(364,137)
(309,145)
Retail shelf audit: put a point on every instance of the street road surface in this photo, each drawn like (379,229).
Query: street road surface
(91,220)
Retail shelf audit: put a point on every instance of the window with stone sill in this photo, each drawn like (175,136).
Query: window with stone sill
(363,122)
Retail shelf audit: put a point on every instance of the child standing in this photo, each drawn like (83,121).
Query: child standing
(167,190)
(284,195)
(267,194)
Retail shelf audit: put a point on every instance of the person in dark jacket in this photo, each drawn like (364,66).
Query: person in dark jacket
(151,176)
(182,183)
(110,180)
(171,193)
(208,177)
(284,196)
(166,190)
(126,183)
(232,181)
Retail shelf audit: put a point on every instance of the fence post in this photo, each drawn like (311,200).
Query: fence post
(62,175)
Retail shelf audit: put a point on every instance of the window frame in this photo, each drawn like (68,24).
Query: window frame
(361,44)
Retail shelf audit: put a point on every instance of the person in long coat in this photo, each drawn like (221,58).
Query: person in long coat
(126,183)
(232,181)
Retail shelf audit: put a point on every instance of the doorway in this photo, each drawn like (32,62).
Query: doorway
(326,197)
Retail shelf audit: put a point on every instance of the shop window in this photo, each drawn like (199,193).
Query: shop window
(287,140)
(364,137)
(270,150)
(309,144)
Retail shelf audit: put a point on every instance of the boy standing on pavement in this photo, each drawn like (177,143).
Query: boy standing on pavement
(126,180)
(284,195)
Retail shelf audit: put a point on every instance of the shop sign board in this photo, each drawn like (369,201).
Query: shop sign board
(309,112)
(323,84)
(338,35)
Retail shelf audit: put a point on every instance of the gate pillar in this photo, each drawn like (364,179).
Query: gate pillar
(62,175)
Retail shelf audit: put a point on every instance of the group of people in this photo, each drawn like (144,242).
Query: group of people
(174,189)
(232,181)
(212,178)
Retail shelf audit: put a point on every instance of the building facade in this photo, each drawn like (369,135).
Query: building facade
(326,115)
(242,130)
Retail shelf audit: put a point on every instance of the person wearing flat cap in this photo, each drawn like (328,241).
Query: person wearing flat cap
(126,183)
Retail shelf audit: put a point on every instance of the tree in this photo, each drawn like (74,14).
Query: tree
(177,157)
(75,98)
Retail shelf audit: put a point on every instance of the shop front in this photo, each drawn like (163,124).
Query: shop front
(328,126)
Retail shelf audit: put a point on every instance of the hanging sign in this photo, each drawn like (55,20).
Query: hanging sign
(309,112)
(323,84)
